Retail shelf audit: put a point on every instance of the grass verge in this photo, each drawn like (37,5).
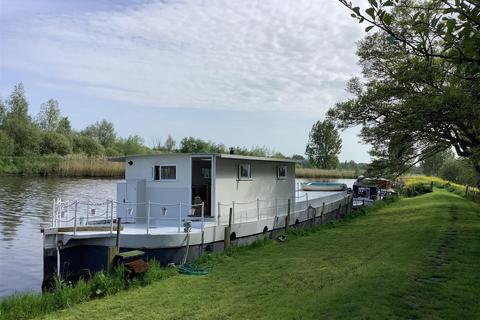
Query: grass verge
(416,258)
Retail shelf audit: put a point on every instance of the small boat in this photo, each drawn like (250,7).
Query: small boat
(324,186)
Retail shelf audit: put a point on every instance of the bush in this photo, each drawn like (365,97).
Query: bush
(86,145)
(57,143)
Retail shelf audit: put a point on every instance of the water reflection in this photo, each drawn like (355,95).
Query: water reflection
(25,204)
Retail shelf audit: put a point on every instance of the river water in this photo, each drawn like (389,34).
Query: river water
(25,205)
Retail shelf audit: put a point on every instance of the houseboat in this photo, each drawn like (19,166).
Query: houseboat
(171,205)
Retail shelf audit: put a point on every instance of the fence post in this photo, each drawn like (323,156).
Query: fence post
(119,226)
(53,212)
(75,219)
(228,230)
(466,191)
(179,216)
(431,186)
(203,214)
(218,213)
(148,217)
(322,214)
(111,216)
(258,209)
(287,217)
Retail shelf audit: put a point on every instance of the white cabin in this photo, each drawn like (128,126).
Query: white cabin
(155,185)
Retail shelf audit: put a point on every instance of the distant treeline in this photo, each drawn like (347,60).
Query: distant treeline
(47,144)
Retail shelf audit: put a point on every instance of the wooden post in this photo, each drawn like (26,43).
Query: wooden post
(228,230)
(431,186)
(323,211)
(287,217)
(466,191)
(119,226)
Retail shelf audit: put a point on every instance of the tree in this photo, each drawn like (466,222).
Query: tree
(431,166)
(18,125)
(169,144)
(132,145)
(324,145)
(49,116)
(6,144)
(102,131)
(64,127)
(422,74)
(3,112)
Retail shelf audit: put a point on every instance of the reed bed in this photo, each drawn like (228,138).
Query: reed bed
(324,173)
(83,166)
(66,166)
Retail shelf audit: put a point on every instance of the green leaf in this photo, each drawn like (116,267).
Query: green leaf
(371,12)
(388,4)
(373,3)
(356,10)
(387,19)
(353,15)
(450,24)
(368,28)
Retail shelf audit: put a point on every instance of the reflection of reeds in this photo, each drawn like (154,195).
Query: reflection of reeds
(83,166)
(323,173)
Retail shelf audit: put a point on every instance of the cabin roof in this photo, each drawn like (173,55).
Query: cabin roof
(218,155)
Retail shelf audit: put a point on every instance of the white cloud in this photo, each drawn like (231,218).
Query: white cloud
(285,55)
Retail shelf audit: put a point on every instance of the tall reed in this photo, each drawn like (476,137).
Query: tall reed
(324,173)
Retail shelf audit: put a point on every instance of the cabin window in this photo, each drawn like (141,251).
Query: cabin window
(206,173)
(168,172)
(282,172)
(164,172)
(244,171)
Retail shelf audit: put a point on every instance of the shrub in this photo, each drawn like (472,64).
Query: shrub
(87,145)
(6,144)
(57,143)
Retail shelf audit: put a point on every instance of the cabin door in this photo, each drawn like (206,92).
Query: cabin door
(202,185)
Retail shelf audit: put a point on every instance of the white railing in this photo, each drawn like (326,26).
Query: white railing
(74,214)
(80,214)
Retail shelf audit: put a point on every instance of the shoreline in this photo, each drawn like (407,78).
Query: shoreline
(81,166)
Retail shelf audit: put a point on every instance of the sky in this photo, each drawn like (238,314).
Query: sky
(238,72)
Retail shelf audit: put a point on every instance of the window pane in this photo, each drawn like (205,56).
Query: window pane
(169,172)
(245,171)
(282,171)
(156,173)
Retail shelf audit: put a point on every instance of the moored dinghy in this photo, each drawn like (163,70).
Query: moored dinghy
(324,186)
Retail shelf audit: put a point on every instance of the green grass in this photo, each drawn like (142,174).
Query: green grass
(416,258)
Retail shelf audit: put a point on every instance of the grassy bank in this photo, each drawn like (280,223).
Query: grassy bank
(321,173)
(61,166)
(416,258)
(425,182)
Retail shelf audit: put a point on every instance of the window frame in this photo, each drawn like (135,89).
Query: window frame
(160,166)
(239,175)
(278,173)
